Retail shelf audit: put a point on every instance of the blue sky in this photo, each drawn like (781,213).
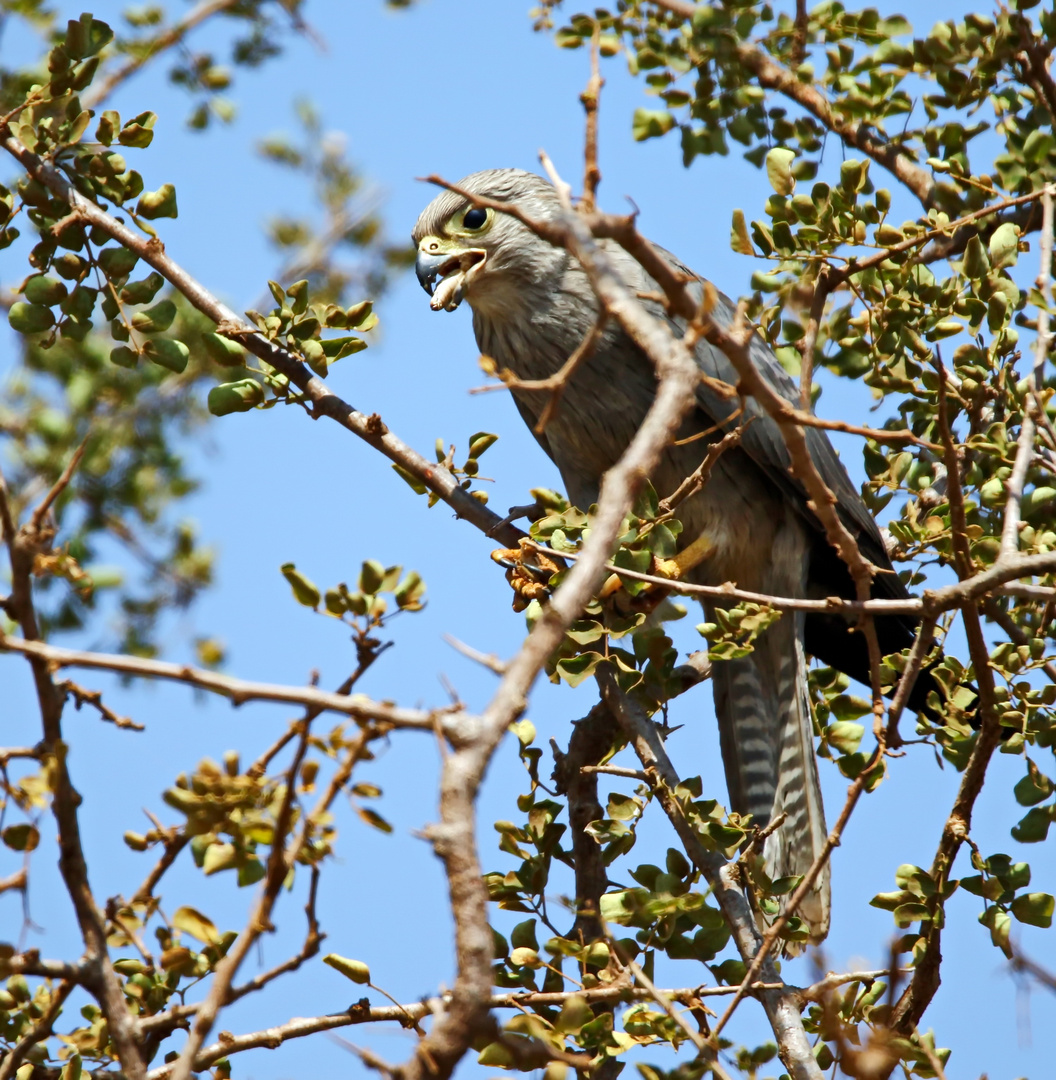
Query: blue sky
(447,88)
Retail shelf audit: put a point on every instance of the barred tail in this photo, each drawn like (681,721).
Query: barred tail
(767,743)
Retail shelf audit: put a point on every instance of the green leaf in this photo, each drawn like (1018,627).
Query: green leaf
(740,241)
(193,922)
(1004,246)
(21,837)
(142,292)
(1034,908)
(575,1012)
(373,819)
(219,857)
(355,970)
(117,262)
(223,351)
(976,261)
(44,290)
(651,123)
(845,736)
(1033,827)
(339,348)
(168,352)
(779,170)
(158,204)
(409,592)
(371,576)
(30,318)
(235,397)
(139,132)
(86,36)
(124,357)
(575,669)
(480,442)
(410,480)
(497,1055)
(1034,788)
(360,316)
(156,319)
(304,591)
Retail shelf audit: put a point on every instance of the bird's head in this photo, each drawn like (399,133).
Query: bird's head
(475,253)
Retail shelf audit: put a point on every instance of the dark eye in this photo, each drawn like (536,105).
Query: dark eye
(475,218)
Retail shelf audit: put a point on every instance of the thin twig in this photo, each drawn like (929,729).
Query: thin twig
(779,1001)
(94,698)
(591,98)
(699,477)
(1027,430)
(488,660)
(38,1033)
(618,770)
(933,603)
(165,40)
(238,691)
(59,486)
(280,861)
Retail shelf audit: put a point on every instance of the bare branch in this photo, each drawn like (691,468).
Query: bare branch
(59,486)
(933,603)
(173,844)
(618,770)
(30,963)
(917,654)
(96,973)
(238,691)
(699,477)
(95,699)
(822,289)
(454,838)
(591,98)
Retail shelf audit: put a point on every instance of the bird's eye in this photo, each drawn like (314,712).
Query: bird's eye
(475,218)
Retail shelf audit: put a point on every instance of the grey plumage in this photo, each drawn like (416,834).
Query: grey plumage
(532,306)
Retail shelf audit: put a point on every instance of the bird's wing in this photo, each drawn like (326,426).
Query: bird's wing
(762,439)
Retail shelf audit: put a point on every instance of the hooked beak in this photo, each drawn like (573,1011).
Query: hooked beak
(454,272)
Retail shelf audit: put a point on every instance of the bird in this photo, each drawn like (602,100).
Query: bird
(751,524)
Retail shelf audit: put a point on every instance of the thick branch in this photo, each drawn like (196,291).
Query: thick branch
(369,428)
(454,838)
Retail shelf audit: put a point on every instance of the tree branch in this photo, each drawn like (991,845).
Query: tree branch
(1027,430)
(371,428)
(23,545)
(454,839)
(771,76)
(281,861)
(779,1001)
(238,691)
(165,40)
